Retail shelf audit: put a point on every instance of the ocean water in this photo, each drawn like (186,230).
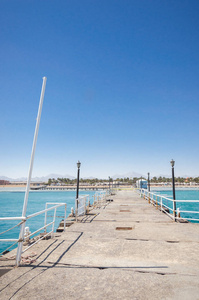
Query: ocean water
(182,194)
(11,204)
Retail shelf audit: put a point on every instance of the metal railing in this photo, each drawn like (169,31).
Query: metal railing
(80,205)
(100,197)
(167,205)
(22,237)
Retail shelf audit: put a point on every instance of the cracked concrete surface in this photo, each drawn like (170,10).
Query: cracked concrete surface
(156,259)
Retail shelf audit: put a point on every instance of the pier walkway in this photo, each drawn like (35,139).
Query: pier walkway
(126,249)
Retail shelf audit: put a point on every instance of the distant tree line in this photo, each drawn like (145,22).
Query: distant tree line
(68,181)
(177,179)
(126,180)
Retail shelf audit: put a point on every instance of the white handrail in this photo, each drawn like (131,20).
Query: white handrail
(41,228)
(162,201)
(80,205)
(43,211)
(9,240)
(12,218)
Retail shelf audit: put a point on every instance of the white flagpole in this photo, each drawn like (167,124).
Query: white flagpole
(21,235)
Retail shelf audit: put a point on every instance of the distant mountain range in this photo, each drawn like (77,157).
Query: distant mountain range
(45,178)
(42,179)
(129,175)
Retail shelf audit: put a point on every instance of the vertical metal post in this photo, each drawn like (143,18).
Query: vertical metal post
(173,185)
(149,182)
(85,205)
(65,218)
(76,209)
(22,229)
(53,222)
(45,218)
(77,192)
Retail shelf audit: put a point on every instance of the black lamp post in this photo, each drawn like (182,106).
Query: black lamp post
(78,171)
(109,183)
(141,183)
(173,184)
(148,182)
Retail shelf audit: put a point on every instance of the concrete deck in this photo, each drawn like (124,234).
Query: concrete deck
(98,258)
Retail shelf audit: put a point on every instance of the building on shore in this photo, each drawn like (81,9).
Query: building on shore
(4,182)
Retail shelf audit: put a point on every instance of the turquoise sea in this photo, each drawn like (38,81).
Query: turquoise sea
(182,194)
(11,204)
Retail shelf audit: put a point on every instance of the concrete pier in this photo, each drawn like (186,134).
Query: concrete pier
(126,249)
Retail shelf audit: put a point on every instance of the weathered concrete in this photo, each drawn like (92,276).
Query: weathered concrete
(156,259)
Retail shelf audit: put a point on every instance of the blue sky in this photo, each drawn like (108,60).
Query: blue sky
(122,86)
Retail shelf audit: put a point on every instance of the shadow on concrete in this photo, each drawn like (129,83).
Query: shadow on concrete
(89,218)
(44,268)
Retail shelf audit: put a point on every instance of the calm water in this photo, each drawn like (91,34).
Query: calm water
(11,204)
(186,194)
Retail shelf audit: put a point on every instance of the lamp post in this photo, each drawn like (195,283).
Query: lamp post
(173,185)
(78,171)
(141,183)
(148,182)
(77,192)
(109,183)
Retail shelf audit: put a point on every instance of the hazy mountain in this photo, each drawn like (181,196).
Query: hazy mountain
(5,178)
(129,175)
(176,175)
(45,178)
(42,179)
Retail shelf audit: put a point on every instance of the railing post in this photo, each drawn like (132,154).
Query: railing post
(53,227)
(65,217)
(156,202)
(85,204)
(161,203)
(45,220)
(178,212)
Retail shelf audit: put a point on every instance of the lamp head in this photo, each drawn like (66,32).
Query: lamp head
(78,164)
(172,162)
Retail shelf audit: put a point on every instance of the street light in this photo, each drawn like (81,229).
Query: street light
(148,182)
(173,184)
(109,183)
(78,171)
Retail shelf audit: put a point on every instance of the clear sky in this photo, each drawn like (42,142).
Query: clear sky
(122,91)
